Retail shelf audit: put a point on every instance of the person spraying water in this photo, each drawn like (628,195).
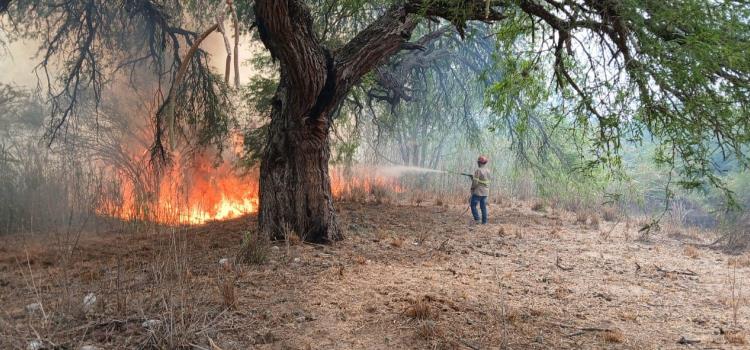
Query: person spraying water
(480,190)
(480,182)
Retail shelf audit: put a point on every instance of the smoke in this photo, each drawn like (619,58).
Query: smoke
(112,141)
(17,63)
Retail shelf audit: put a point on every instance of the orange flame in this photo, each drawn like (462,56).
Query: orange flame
(361,180)
(193,193)
(198,192)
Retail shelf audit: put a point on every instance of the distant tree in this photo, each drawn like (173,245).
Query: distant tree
(674,69)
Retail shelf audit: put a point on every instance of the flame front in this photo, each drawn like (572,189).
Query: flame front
(361,180)
(198,191)
(190,192)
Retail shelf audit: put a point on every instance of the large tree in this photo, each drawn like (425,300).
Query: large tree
(674,69)
(295,186)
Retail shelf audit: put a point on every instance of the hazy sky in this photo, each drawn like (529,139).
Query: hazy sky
(18,62)
(17,65)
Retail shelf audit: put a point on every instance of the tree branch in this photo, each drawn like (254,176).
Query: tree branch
(380,40)
(285,27)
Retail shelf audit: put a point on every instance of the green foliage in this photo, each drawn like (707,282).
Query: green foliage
(422,103)
(682,78)
(338,21)
(345,152)
(258,95)
(199,115)
(254,141)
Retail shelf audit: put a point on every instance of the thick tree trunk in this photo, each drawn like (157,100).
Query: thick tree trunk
(295,189)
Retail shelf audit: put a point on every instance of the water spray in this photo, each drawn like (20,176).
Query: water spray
(399,170)
(462,174)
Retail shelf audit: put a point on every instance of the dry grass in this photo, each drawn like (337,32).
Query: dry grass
(148,297)
(539,206)
(501,231)
(561,292)
(628,316)
(614,336)
(356,194)
(422,236)
(382,194)
(736,235)
(254,248)
(582,217)
(335,289)
(691,252)
(429,330)
(511,315)
(225,283)
(735,338)
(647,227)
(555,232)
(736,294)
(610,213)
(594,220)
(293,239)
(420,310)
(740,261)
(381,235)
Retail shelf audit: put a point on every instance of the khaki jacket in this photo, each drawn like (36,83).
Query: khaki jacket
(480,184)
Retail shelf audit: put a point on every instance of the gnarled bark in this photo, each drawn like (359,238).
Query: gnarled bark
(295,190)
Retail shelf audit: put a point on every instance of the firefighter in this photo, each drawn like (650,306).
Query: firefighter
(480,189)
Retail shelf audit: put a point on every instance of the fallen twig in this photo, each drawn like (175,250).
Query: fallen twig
(492,254)
(687,272)
(686,341)
(443,247)
(581,330)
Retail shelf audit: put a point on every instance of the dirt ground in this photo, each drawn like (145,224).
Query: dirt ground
(406,277)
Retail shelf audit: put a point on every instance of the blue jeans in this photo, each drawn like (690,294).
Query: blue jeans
(482,201)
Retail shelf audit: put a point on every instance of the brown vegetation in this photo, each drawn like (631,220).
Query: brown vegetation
(610,213)
(691,252)
(493,285)
(735,338)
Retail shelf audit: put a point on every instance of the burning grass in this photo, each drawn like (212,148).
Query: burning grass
(195,190)
(361,185)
